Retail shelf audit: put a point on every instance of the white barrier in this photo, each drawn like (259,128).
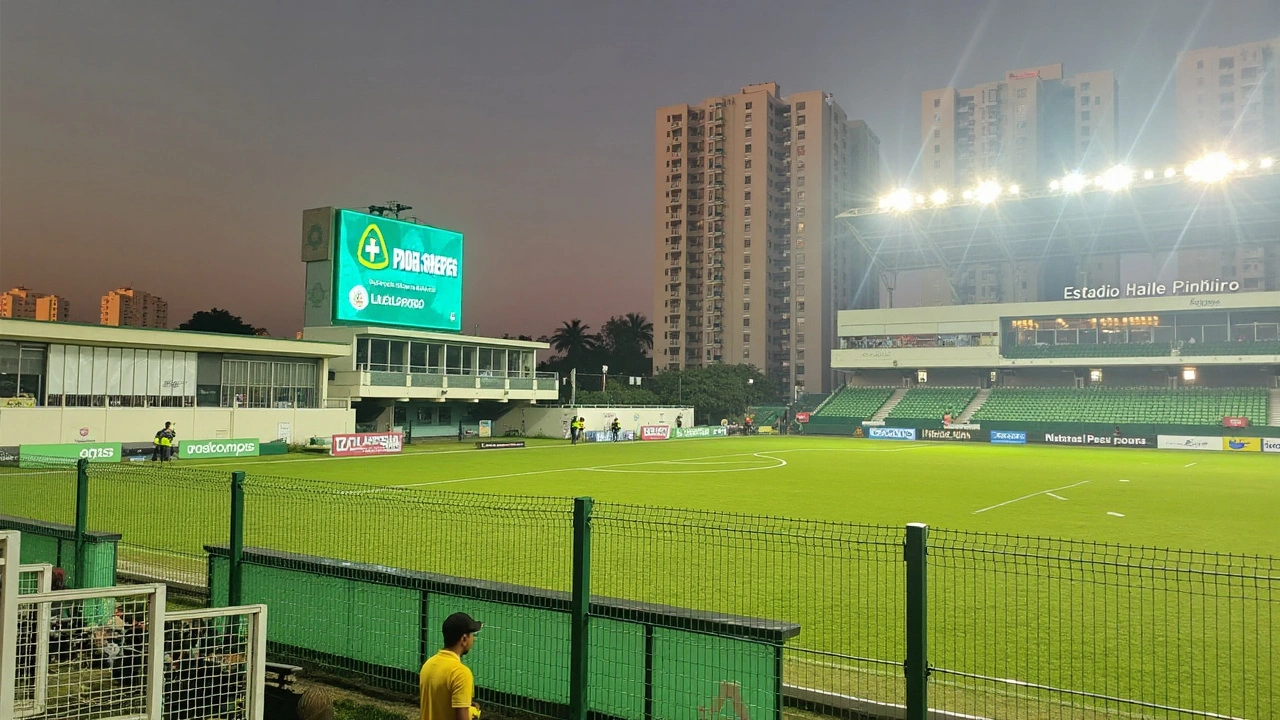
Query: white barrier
(30,698)
(10,552)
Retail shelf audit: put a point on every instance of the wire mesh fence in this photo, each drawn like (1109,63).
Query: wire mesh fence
(213,664)
(840,583)
(753,613)
(1039,628)
(39,488)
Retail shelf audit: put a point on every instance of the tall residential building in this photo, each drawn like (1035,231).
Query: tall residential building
(25,304)
(747,266)
(1229,99)
(1030,127)
(134,308)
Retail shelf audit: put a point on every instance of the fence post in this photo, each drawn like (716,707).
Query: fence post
(235,575)
(82,520)
(581,606)
(917,662)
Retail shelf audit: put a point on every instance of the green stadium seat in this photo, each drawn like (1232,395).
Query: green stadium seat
(1184,406)
(854,403)
(931,402)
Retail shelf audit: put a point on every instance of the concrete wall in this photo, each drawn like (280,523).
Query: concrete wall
(19,426)
(550,421)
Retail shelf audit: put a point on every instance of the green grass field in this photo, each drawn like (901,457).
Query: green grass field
(1105,615)
(1222,502)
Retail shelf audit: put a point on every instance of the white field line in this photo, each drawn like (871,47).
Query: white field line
(1190,464)
(1055,497)
(1115,514)
(1024,497)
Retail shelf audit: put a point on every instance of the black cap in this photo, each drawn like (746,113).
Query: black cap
(459,624)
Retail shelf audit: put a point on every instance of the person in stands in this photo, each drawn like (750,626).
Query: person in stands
(615,427)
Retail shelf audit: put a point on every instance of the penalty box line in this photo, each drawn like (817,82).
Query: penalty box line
(1050,492)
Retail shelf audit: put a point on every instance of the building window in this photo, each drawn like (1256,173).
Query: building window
(937,102)
(746,353)
(1097,99)
(746,180)
(800,105)
(937,164)
(746,258)
(746,307)
(746,241)
(800,150)
(747,196)
(746,322)
(937,117)
(1199,64)
(800,119)
(937,149)
(937,133)
(1227,97)
(746,117)
(746,211)
(748,148)
(748,132)
(1226,63)
(1084,115)
(746,274)
(799,181)
(748,105)
(1084,101)
(1227,80)
(800,134)
(1022,92)
(1248,73)
(746,226)
(1084,87)
(746,164)
(800,228)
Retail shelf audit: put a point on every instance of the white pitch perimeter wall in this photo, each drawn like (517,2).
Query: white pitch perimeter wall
(21,426)
(551,421)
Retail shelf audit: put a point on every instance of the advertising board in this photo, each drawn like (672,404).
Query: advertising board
(1009,437)
(499,444)
(485,429)
(1235,422)
(607,435)
(891,433)
(358,444)
(1090,440)
(802,417)
(953,435)
(391,272)
(29,455)
(192,449)
(1235,444)
(1271,445)
(1188,442)
(655,432)
(702,431)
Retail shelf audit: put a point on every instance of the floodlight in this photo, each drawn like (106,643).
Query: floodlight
(1116,178)
(1074,182)
(919,199)
(1148,174)
(1055,185)
(1170,172)
(939,197)
(899,200)
(1265,163)
(1242,165)
(1015,189)
(987,191)
(968,195)
(1211,168)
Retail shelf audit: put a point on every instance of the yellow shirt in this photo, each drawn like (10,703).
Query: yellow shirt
(443,685)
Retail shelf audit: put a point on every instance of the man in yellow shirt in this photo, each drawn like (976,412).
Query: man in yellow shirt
(445,686)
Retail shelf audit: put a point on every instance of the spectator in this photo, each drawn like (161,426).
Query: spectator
(446,686)
(615,427)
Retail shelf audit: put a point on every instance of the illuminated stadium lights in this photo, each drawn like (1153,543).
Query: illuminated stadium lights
(1170,172)
(1116,179)
(1265,163)
(1056,184)
(1074,183)
(987,192)
(919,199)
(1148,174)
(968,195)
(940,197)
(1015,189)
(899,200)
(1211,168)
(1242,165)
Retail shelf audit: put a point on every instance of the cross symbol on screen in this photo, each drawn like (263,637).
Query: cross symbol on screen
(371,249)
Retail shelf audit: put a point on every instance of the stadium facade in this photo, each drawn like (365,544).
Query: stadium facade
(1157,278)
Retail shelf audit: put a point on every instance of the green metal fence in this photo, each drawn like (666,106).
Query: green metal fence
(594,606)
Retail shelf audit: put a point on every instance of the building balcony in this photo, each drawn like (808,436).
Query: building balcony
(443,387)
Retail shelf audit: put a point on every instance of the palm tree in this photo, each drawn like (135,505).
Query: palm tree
(572,340)
(640,330)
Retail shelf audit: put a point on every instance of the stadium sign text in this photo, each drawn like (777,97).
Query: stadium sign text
(247,447)
(1099,440)
(357,444)
(1009,437)
(1106,291)
(891,433)
(1271,445)
(704,431)
(29,455)
(655,432)
(951,434)
(1188,442)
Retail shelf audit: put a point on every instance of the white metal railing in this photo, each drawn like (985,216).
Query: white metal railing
(30,698)
(10,551)
(105,658)
(216,663)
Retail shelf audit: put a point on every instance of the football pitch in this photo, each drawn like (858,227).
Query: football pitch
(1212,501)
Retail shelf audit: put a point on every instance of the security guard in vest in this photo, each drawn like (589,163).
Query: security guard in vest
(162,442)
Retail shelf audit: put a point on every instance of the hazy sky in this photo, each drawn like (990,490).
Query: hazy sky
(172,146)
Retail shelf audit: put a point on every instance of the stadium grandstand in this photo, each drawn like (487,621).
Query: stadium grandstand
(1137,298)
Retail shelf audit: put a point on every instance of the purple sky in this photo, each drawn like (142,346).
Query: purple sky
(173,146)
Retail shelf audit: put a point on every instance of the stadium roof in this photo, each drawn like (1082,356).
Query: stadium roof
(1163,214)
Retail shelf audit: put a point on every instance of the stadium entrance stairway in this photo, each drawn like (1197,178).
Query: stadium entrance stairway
(889,404)
(978,401)
(1273,407)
